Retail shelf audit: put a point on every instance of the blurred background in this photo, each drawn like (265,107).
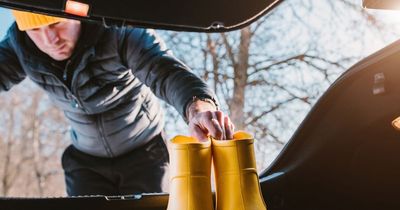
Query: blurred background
(267,77)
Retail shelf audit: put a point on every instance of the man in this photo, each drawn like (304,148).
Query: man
(106,81)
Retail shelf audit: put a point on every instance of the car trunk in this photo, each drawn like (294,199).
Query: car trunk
(345,154)
(182,15)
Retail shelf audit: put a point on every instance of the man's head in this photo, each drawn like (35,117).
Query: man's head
(57,37)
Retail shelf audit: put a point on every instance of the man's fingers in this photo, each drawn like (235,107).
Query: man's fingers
(228,128)
(212,123)
(209,121)
(204,125)
(221,122)
(216,130)
(197,132)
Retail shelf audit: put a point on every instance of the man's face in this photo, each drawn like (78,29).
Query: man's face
(57,40)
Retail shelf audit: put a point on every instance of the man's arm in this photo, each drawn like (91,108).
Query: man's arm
(171,80)
(10,70)
(145,53)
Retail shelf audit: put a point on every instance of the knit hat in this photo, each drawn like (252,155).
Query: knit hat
(28,20)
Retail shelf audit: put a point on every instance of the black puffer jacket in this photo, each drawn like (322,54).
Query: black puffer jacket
(115,74)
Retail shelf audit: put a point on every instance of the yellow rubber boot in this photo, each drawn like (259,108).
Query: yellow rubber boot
(237,183)
(190,184)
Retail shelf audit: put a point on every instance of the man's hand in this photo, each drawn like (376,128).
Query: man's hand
(205,120)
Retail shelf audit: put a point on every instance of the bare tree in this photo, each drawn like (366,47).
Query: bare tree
(269,74)
(13,149)
(35,140)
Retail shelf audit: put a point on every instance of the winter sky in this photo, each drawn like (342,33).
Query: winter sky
(5,21)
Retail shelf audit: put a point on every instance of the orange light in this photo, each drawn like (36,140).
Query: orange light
(76,8)
(396,123)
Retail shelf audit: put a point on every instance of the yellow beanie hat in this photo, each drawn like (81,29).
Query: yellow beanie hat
(28,20)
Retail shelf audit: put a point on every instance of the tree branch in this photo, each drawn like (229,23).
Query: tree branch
(277,106)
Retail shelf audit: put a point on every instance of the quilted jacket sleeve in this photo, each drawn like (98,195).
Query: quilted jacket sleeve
(11,71)
(145,53)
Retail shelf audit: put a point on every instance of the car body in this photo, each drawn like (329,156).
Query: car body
(153,14)
(345,154)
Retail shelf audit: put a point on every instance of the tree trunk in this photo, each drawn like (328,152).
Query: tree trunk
(7,178)
(240,80)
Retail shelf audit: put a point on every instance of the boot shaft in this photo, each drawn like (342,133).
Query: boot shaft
(190,185)
(237,182)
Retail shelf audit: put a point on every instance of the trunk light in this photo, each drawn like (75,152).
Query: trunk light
(76,8)
(396,123)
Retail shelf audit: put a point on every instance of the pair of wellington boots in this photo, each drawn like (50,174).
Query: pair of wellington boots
(237,183)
